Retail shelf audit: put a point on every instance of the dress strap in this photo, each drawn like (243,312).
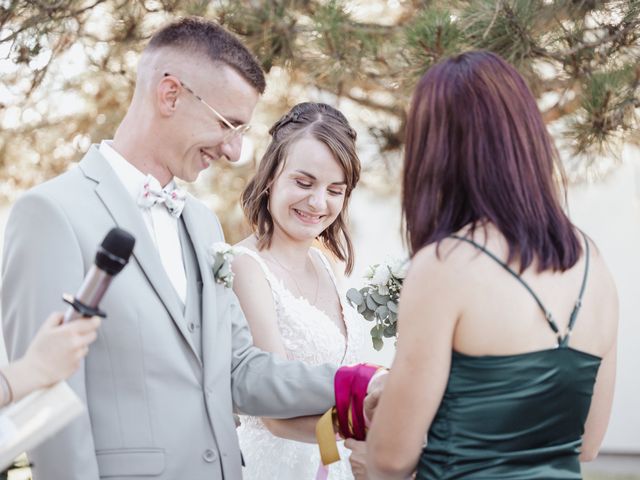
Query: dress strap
(562,340)
(269,276)
(578,304)
(341,298)
(327,266)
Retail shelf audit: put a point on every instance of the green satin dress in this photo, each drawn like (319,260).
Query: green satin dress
(516,417)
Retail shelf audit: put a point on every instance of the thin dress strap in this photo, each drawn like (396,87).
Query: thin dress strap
(578,304)
(268,275)
(563,341)
(341,297)
(327,266)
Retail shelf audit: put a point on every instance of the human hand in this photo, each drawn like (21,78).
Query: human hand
(374,390)
(358,458)
(57,349)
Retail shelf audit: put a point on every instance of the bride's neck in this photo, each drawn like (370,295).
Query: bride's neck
(289,253)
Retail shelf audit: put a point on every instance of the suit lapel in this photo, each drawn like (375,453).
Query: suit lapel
(196,231)
(120,206)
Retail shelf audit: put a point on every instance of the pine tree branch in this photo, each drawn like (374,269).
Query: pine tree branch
(621,32)
(367,102)
(560,109)
(37,19)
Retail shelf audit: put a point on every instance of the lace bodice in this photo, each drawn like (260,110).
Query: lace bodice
(309,335)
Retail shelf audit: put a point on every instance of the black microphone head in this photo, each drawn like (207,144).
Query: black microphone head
(115,251)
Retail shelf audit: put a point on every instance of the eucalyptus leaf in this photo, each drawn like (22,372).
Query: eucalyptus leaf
(371,304)
(389,331)
(376,331)
(392,306)
(380,299)
(355,297)
(224,270)
(377,343)
(382,312)
(217,263)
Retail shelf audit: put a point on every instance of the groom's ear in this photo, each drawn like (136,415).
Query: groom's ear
(167,94)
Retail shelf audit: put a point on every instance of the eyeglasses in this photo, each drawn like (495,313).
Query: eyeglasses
(232,130)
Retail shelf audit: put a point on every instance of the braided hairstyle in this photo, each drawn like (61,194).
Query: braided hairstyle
(327,125)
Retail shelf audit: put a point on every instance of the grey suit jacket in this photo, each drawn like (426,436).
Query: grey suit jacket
(156,409)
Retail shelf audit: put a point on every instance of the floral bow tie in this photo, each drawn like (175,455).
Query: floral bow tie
(151,194)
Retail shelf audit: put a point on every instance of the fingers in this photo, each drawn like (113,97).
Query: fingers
(350,443)
(53,320)
(370,404)
(371,401)
(88,338)
(79,334)
(377,381)
(84,325)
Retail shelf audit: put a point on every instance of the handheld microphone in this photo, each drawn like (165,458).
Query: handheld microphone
(111,257)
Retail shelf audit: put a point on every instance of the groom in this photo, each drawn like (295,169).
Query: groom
(174,357)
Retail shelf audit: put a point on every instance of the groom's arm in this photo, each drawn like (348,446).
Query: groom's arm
(256,300)
(267,386)
(42,260)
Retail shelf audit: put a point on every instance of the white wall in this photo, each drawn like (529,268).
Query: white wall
(609,212)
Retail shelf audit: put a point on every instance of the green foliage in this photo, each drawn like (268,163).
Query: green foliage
(378,300)
(582,53)
(608,106)
(270,28)
(432,36)
(507,27)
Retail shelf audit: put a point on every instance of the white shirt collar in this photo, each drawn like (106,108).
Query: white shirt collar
(130,176)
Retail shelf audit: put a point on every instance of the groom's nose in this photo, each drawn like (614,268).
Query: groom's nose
(232,148)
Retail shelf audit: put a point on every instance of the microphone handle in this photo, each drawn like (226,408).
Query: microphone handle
(91,292)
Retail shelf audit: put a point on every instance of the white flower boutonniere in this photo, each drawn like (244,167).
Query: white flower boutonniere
(221,255)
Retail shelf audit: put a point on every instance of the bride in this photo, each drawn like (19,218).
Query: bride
(286,287)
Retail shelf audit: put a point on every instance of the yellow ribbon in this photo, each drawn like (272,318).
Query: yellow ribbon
(327,439)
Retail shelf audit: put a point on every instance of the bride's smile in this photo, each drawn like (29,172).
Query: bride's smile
(308,194)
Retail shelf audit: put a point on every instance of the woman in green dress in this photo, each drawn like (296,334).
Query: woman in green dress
(508,317)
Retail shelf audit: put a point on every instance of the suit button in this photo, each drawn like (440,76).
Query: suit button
(192,327)
(209,456)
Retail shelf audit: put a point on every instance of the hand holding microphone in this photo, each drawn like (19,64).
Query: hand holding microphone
(57,349)
(60,344)
(53,355)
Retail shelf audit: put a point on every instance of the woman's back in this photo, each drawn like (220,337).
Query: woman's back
(518,392)
(500,317)
(478,360)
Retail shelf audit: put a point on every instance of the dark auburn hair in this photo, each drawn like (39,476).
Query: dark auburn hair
(477,151)
(327,125)
(194,34)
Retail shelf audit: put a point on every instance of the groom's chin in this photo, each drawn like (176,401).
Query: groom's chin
(189,176)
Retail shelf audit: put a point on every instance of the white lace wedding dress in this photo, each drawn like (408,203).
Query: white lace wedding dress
(309,335)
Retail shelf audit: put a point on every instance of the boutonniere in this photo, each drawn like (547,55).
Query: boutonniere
(221,255)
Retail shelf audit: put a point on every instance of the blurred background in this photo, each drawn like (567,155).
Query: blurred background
(67,71)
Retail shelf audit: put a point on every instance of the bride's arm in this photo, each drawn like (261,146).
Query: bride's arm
(256,300)
(254,293)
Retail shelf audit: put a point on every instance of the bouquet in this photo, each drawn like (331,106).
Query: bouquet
(378,300)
